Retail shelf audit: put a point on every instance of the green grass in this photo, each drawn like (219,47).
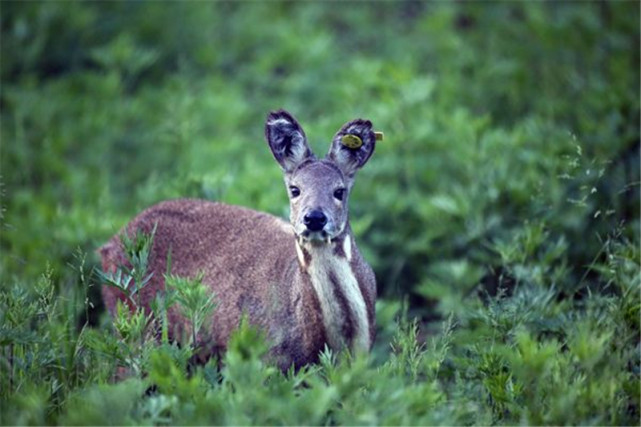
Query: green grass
(500,214)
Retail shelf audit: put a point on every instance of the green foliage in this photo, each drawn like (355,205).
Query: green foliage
(502,207)
(131,280)
(104,404)
(194,299)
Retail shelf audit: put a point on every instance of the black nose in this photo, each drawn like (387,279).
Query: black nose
(315,220)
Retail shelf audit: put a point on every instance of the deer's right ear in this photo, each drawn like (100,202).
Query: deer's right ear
(286,140)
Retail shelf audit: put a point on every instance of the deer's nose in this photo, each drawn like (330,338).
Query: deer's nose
(315,220)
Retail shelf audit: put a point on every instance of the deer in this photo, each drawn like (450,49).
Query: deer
(303,283)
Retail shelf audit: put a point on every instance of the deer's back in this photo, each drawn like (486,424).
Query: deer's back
(248,259)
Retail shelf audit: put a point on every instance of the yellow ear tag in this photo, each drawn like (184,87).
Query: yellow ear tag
(351,141)
(379,136)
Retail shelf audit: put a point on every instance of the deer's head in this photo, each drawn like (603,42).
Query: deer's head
(318,189)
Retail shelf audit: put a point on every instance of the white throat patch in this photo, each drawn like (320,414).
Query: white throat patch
(343,305)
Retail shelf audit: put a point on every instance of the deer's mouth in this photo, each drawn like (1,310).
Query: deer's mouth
(315,237)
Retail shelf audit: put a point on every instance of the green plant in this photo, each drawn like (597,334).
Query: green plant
(131,280)
(195,301)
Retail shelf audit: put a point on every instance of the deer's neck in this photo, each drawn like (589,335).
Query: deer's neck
(329,268)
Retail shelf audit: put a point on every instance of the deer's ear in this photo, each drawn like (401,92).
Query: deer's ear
(352,146)
(286,140)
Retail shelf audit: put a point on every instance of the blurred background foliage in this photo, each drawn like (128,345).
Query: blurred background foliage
(506,192)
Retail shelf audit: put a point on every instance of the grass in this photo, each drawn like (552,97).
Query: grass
(500,214)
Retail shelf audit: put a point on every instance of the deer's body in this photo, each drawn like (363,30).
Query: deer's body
(304,283)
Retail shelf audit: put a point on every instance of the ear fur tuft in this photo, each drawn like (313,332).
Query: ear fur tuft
(286,140)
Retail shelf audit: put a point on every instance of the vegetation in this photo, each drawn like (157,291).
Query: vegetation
(500,214)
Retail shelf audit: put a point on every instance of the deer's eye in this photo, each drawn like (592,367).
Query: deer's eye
(339,193)
(294,191)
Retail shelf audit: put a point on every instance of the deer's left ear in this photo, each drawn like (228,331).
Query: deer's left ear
(352,146)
